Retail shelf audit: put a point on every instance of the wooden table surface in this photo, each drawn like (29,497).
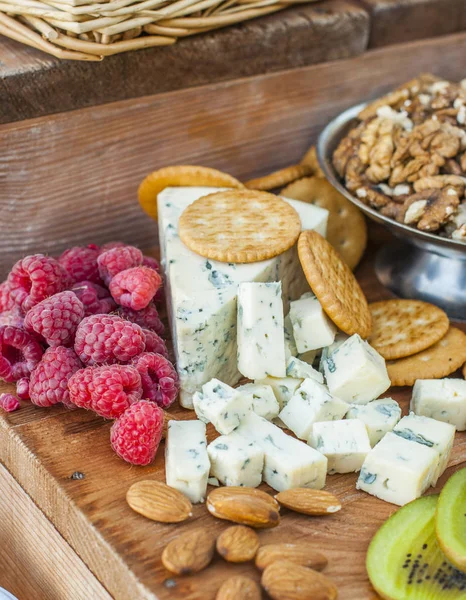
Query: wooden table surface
(42,448)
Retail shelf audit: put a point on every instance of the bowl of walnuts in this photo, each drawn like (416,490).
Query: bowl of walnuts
(402,160)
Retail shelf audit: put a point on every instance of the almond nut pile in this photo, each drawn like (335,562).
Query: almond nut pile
(407,156)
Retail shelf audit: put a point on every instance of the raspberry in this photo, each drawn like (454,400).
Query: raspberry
(160,382)
(22,388)
(135,288)
(49,380)
(136,435)
(34,278)
(154,343)
(6,301)
(108,339)
(95,298)
(19,353)
(118,259)
(111,245)
(81,263)
(8,402)
(108,391)
(147,318)
(13,317)
(56,318)
(148,261)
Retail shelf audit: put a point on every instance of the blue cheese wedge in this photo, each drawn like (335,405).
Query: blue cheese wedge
(397,470)
(356,372)
(236,461)
(221,405)
(379,417)
(344,443)
(187,463)
(261,337)
(283,388)
(262,399)
(431,433)
(312,329)
(441,399)
(301,370)
(310,404)
(288,463)
(202,294)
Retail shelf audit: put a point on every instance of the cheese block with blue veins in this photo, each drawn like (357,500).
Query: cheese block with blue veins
(201,293)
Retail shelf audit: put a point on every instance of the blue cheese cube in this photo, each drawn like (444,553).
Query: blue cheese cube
(290,344)
(356,372)
(187,463)
(431,433)
(441,399)
(221,405)
(310,404)
(236,461)
(326,352)
(312,329)
(301,370)
(261,338)
(283,388)
(397,470)
(288,463)
(379,417)
(344,443)
(262,399)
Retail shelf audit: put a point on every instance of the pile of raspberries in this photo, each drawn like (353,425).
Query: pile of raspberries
(84,330)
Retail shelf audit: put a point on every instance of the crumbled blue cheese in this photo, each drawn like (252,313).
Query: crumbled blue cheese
(379,416)
(311,403)
(312,329)
(344,443)
(301,370)
(261,338)
(397,470)
(221,405)
(201,293)
(187,464)
(441,399)
(262,399)
(289,463)
(356,372)
(236,461)
(283,388)
(431,433)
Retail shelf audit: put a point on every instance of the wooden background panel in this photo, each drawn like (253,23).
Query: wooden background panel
(72,178)
(34,84)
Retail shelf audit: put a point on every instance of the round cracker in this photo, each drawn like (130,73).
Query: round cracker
(346,229)
(440,360)
(180,176)
(310,159)
(239,226)
(334,284)
(279,178)
(402,328)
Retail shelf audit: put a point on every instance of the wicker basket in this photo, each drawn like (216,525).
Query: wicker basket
(91,30)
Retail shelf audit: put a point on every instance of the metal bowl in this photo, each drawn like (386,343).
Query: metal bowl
(418,264)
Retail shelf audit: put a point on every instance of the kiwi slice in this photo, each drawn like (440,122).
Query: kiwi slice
(451,519)
(404,560)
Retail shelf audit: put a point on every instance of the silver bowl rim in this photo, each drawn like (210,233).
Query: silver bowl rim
(331,136)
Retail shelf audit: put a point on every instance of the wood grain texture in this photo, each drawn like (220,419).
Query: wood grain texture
(36,562)
(42,448)
(72,178)
(399,21)
(34,84)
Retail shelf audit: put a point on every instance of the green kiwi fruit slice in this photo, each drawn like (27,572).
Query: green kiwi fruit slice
(451,519)
(404,560)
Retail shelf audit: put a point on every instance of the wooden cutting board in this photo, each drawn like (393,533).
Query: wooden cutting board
(42,448)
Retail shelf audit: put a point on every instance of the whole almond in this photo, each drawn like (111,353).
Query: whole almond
(283,580)
(246,506)
(298,553)
(159,502)
(238,544)
(309,501)
(239,588)
(189,553)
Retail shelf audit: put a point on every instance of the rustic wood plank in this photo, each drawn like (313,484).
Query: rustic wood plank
(72,178)
(399,21)
(36,561)
(33,84)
